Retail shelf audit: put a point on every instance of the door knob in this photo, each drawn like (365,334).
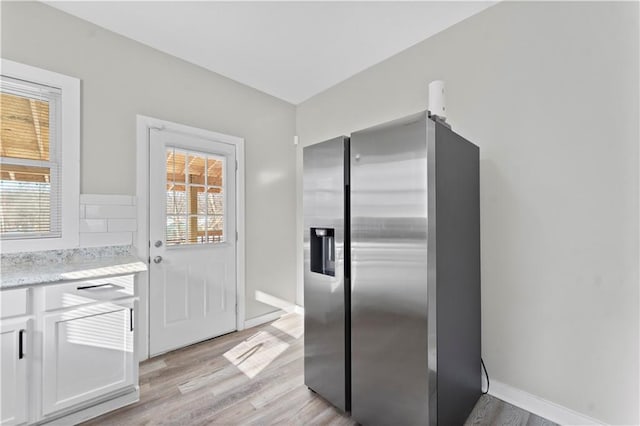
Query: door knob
(158,243)
(157,259)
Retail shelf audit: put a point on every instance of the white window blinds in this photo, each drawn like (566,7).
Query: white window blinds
(30,160)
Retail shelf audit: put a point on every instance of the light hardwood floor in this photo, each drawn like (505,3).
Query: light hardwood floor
(254,376)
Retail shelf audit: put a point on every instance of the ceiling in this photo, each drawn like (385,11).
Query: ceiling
(291,50)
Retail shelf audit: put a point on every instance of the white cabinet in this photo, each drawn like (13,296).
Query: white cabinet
(67,351)
(88,352)
(14,334)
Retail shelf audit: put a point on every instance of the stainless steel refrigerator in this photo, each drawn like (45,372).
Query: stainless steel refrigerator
(392,273)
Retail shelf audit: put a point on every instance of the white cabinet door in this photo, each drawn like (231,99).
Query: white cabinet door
(87,353)
(13,371)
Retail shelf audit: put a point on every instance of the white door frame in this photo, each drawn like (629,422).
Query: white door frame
(141,240)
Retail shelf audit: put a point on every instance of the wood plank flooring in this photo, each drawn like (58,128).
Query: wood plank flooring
(253,377)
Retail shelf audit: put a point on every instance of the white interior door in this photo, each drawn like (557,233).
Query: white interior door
(192,229)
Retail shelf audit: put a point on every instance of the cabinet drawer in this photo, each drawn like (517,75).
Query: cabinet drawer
(14,302)
(83,292)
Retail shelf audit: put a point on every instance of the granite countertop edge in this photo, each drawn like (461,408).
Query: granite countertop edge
(29,275)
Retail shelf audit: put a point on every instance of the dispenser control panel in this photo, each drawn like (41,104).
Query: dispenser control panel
(323,251)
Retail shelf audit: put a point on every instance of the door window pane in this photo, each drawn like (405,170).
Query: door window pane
(176,230)
(195,197)
(196,229)
(215,201)
(176,199)
(175,166)
(195,168)
(202,201)
(215,229)
(214,171)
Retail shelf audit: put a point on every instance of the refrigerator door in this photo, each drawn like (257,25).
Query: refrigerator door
(391,366)
(325,319)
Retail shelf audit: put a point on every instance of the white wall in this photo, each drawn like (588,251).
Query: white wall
(122,78)
(549,91)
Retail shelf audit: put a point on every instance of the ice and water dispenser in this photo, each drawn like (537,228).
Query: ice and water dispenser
(323,251)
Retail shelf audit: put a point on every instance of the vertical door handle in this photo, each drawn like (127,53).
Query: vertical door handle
(21,344)
(130,319)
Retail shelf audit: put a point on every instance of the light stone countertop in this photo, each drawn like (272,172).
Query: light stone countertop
(57,266)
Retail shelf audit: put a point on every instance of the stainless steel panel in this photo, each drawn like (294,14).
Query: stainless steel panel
(457,201)
(324,295)
(432,326)
(389,300)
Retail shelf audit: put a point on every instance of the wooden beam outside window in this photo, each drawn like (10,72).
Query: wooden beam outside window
(37,129)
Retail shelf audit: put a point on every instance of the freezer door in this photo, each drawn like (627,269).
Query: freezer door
(325,319)
(389,299)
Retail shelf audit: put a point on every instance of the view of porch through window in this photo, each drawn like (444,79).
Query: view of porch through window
(195,198)
(26,172)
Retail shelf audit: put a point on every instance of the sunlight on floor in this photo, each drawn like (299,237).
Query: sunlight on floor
(290,325)
(255,353)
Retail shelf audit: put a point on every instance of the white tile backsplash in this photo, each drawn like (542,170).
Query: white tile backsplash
(101,239)
(101,199)
(107,220)
(118,225)
(108,211)
(93,225)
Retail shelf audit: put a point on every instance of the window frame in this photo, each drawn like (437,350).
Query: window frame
(69,147)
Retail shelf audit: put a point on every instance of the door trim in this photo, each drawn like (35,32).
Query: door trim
(141,240)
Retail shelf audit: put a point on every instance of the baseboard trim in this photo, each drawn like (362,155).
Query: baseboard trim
(262,319)
(272,316)
(539,406)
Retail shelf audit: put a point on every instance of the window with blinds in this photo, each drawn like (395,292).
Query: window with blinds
(30,160)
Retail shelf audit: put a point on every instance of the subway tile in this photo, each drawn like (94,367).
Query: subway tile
(93,211)
(107,199)
(93,225)
(98,239)
(117,225)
